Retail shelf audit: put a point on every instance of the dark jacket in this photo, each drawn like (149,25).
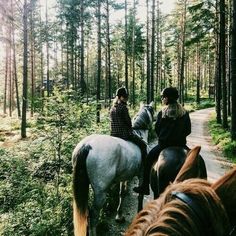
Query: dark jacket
(172,131)
(121,125)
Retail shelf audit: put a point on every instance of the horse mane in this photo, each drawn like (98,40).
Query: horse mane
(225,188)
(144,219)
(142,119)
(169,216)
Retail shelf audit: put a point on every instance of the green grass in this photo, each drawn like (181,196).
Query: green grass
(221,137)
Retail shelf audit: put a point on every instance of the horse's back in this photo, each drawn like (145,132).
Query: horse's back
(109,158)
(101,143)
(171,158)
(166,168)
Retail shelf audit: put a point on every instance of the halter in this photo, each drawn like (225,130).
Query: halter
(195,207)
(201,219)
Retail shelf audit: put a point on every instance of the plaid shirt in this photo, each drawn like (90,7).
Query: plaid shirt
(121,125)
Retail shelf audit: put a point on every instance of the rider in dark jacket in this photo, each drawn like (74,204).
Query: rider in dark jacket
(121,125)
(173,125)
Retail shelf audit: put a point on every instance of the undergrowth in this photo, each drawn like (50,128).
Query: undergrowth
(222,138)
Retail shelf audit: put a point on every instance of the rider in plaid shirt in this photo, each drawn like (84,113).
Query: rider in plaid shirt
(121,125)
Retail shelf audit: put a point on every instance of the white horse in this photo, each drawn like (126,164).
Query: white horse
(100,161)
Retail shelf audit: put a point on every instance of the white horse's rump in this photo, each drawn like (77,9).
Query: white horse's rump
(109,159)
(102,160)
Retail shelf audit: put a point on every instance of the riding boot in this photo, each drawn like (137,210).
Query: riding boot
(150,160)
(144,187)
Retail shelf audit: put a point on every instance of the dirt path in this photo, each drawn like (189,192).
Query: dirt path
(215,163)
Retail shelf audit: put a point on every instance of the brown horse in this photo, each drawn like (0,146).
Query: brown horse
(190,207)
(168,165)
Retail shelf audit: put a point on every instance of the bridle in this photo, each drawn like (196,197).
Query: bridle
(201,219)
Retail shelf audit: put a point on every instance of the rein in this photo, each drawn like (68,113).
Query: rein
(195,207)
(233,231)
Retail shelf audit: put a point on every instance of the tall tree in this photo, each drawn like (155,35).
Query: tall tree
(108,50)
(32,56)
(10,87)
(25,69)
(99,57)
(82,79)
(126,48)
(148,55)
(152,52)
(218,81)
(133,52)
(14,64)
(47,49)
(6,77)
(222,46)
(182,54)
(233,74)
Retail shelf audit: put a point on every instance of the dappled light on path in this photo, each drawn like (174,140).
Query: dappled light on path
(215,163)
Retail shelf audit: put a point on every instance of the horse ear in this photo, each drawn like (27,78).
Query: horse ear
(190,167)
(151,104)
(225,188)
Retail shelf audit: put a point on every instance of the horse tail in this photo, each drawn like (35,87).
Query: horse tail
(80,191)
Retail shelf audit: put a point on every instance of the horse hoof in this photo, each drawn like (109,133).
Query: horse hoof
(120,219)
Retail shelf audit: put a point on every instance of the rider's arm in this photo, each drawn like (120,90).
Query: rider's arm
(126,116)
(187,125)
(158,123)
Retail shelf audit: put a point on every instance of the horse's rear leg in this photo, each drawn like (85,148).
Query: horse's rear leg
(98,202)
(123,189)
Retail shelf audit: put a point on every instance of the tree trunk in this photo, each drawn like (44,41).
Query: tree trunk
(198,74)
(99,58)
(16,79)
(148,57)
(229,57)
(159,51)
(47,50)
(82,80)
(133,53)
(223,63)
(126,49)
(152,52)
(233,74)
(25,70)
(108,72)
(183,29)
(6,79)
(32,58)
(218,75)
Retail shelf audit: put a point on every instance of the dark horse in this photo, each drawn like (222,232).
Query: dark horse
(190,207)
(167,167)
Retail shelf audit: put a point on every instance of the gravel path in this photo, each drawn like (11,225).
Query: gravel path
(215,163)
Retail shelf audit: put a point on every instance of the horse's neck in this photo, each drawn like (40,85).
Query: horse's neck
(142,134)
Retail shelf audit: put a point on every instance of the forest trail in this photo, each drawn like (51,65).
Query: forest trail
(216,166)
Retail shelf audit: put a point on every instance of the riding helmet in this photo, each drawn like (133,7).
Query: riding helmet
(170,93)
(122,92)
